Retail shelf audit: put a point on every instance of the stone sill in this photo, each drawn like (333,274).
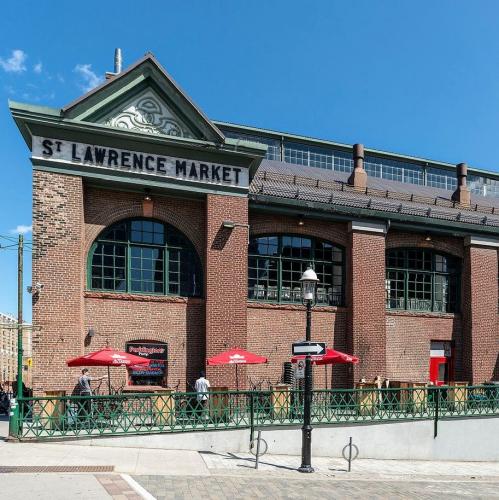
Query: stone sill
(422,314)
(143,298)
(293,307)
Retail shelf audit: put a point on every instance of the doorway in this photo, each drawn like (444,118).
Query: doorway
(441,362)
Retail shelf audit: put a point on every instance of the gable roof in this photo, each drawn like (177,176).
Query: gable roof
(145,73)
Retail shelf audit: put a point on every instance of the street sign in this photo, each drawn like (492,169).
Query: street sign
(300,369)
(312,348)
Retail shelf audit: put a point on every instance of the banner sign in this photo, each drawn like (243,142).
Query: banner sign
(156,352)
(134,162)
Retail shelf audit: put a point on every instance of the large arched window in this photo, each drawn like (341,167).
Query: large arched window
(422,280)
(276,264)
(144,256)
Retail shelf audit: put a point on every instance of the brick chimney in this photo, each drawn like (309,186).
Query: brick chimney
(358,178)
(462,194)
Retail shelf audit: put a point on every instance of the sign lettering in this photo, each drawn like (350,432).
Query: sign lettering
(77,153)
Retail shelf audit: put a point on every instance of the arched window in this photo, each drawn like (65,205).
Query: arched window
(276,264)
(144,256)
(422,280)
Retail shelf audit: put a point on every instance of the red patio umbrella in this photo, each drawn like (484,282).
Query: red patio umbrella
(236,357)
(331,357)
(107,357)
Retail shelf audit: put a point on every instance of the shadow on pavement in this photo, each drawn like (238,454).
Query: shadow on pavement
(232,456)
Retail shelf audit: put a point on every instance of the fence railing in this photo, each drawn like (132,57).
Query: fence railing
(72,416)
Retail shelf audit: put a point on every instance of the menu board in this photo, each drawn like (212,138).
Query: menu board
(156,352)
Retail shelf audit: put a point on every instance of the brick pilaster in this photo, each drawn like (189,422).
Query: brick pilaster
(366,299)
(226,283)
(58,235)
(479,305)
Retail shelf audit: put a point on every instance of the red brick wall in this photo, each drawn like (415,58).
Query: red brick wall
(176,320)
(408,341)
(366,299)
(121,318)
(446,244)
(68,217)
(278,326)
(105,207)
(480,325)
(57,263)
(226,282)
(273,328)
(265,223)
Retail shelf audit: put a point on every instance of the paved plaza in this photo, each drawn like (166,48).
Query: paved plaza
(134,473)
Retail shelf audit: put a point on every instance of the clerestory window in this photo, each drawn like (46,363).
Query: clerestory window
(147,257)
(277,262)
(422,280)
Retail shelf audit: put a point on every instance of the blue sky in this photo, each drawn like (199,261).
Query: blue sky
(419,78)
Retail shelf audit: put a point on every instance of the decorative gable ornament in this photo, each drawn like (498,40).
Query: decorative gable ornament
(149,114)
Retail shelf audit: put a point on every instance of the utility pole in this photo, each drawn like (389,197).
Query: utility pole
(15,410)
(20,250)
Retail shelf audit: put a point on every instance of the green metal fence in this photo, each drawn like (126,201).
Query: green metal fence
(72,416)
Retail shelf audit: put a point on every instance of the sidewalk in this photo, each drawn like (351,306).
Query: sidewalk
(139,461)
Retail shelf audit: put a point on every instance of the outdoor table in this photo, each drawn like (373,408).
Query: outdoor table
(159,403)
(219,403)
(54,410)
(367,400)
(411,400)
(457,396)
(280,400)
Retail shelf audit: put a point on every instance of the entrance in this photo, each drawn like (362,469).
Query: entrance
(441,366)
(155,372)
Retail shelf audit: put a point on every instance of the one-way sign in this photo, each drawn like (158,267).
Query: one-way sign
(312,348)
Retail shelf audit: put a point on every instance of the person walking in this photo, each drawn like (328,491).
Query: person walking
(202,387)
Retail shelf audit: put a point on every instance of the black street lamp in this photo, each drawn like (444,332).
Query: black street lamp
(308,283)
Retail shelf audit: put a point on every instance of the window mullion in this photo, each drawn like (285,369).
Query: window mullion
(166,269)
(128,280)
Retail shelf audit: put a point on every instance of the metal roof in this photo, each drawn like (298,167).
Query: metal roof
(284,180)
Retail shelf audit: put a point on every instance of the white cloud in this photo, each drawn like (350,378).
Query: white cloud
(90,79)
(37,68)
(21,229)
(15,63)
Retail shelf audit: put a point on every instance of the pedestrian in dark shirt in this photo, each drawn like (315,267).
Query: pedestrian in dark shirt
(86,390)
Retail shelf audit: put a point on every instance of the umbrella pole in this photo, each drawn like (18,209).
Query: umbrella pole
(325,374)
(109,380)
(237,379)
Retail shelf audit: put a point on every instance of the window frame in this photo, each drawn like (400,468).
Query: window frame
(165,250)
(452,305)
(312,261)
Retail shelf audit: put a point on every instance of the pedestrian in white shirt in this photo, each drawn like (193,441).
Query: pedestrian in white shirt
(202,387)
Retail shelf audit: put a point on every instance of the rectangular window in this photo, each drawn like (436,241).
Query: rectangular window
(146,268)
(421,280)
(109,267)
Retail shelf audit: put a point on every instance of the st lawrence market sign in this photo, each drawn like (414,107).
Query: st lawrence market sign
(77,153)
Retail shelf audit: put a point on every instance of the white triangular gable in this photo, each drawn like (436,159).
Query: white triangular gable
(148,113)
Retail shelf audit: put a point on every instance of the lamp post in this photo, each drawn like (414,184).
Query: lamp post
(308,283)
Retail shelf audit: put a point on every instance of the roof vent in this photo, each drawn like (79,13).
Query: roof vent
(117,65)
(117,61)
(358,178)
(462,193)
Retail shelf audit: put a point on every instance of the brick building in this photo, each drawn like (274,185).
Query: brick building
(155,225)
(8,352)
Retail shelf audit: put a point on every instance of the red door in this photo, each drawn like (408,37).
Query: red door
(439,370)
